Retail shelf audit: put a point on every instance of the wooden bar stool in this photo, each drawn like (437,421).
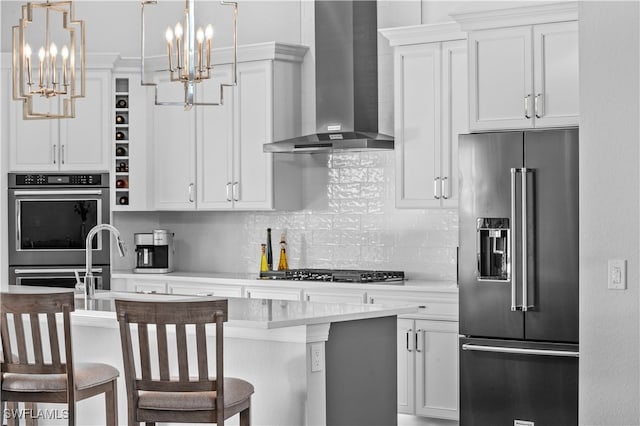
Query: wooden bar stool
(36,370)
(159,396)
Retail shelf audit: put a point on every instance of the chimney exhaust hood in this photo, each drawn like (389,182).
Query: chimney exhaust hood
(346,49)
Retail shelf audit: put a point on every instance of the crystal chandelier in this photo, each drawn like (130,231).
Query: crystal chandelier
(48,86)
(189,54)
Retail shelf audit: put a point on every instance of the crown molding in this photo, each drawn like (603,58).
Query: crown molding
(516,16)
(416,34)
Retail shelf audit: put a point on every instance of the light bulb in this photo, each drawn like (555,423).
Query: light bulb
(27,51)
(200,35)
(64,52)
(53,50)
(41,53)
(169,34)
(178,31)
(208,32)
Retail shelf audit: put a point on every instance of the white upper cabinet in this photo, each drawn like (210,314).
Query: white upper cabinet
(73,144)
(523,76)
(174,151)
(430,98)
(211,158)
(556,74)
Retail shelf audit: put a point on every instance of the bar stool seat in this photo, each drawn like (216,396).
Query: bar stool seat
(235,391)
(154,392)
(40,368)
(87,375)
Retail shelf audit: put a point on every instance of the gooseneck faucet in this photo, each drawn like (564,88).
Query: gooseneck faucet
(89,285)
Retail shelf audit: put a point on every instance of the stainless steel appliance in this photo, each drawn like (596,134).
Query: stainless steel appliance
(518,278)
(346,60)
(154,252)
(49,216)
(336,275)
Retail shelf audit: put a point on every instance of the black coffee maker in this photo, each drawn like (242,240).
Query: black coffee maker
(154,252)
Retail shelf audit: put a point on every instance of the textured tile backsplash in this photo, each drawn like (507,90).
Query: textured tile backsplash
(352,222)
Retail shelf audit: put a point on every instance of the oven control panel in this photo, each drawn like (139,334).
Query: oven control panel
(59,179)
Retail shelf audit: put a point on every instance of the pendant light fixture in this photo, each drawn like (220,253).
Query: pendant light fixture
(48,84)
(189,54)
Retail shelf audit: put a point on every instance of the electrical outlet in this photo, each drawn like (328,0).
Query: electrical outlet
(617,274)
(317,357)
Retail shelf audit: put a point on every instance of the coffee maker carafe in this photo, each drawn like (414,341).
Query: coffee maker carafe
(154,252)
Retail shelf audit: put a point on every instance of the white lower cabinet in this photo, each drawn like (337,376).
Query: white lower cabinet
(147,286)
(428,368)
(280,293)
(334,296)
(206,289)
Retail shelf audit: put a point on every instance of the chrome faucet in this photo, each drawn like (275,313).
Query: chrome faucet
(89,285)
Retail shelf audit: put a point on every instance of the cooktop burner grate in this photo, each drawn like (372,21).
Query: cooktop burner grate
(336,275)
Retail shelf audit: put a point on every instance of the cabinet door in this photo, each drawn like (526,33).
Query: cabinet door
(33,144)
(454,117)
(174,150)
(417,125)
(406,366)
(253,168)
(556,74)
(437,369)
(500,79)
(215,144)
(84,140)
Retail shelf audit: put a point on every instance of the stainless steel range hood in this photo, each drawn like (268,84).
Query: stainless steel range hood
(346,53)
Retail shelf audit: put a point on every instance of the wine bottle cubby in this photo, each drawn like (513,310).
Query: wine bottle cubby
(121,142)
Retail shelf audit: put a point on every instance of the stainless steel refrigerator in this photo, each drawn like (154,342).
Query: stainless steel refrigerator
(518,278)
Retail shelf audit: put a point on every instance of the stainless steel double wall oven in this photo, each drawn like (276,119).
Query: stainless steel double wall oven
(50,215)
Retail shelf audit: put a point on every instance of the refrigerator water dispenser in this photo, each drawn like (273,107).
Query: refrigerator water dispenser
(493,249)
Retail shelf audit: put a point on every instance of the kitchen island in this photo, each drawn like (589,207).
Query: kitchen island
(310,363)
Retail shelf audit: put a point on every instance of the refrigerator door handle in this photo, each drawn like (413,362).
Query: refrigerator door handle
(525,281)
(520,351)
(514,279)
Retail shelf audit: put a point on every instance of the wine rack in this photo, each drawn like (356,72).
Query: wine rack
(121,145)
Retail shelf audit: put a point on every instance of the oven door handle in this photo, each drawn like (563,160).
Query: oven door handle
(59,192)
(54,270)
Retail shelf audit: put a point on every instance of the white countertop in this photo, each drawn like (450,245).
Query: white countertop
(253,279)
(243,312)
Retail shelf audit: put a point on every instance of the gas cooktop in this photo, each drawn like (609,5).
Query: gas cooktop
(336,275)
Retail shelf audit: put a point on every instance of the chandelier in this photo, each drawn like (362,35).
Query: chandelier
(48,85)
(189,54)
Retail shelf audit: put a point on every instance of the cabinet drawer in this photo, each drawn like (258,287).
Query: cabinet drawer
(334,296)
(445,308)
(144,286)
(206,290)
(274,293)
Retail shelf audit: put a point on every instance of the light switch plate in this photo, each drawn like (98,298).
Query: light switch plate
(617,274)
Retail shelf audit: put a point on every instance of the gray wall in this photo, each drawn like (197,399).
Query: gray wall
(609,205)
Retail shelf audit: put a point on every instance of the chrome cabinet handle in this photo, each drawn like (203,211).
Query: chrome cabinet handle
(435,188)
(62,153)
(235,191)
(535,105)
(514,306)
(418,334)
(55,153)
(228,196)
(522,351)
(526,106)
(443,188)
(191,192)
(409,331)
